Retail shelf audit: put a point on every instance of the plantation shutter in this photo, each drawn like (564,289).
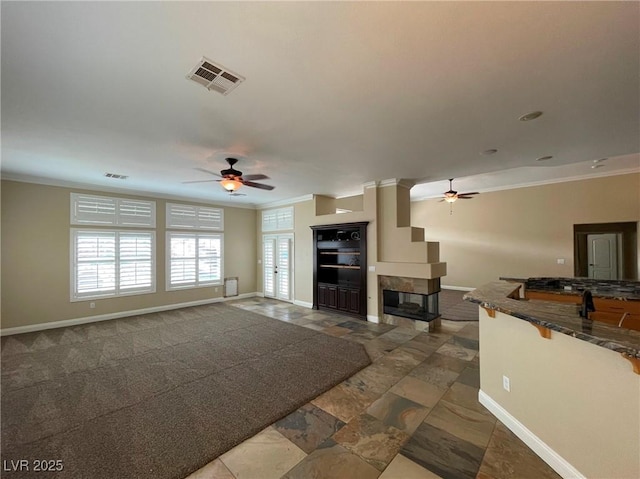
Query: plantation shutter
(136,213)
(284,266)
(278,219)
(107,263)
(269,263)
(107,211)
(285,218)
(194,217)
(195,259)
(95,263)
(136,256)
(92,210)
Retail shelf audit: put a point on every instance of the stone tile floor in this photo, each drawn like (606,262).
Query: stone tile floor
(413,413)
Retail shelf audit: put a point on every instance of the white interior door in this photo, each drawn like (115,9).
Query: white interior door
(277,259)
(603,256)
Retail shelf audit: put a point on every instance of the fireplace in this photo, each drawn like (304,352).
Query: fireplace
(423,307)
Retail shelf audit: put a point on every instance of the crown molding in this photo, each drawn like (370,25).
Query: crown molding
(121,191)
(408,184)
(291,201)
(587,176)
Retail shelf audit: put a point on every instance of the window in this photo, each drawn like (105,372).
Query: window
(278,219)
(194,259)
(111,263)
(194,217)
(109,211)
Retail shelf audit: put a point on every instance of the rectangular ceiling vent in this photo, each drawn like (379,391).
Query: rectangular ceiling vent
(115,176)
(214,76)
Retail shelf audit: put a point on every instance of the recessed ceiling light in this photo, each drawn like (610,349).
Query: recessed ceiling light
(492,151)
(530,116)
(544,158)
(597,165)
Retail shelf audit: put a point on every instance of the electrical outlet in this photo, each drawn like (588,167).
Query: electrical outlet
(506,384)
(216,290)
(560,260)
(92,305)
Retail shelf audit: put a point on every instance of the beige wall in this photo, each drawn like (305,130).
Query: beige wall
(36,258)
(582,400)
(306,215)
(521,232)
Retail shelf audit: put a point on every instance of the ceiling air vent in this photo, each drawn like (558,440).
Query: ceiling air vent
(214,76)
(115,176)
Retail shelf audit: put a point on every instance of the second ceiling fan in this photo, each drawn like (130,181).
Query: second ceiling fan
(452,196)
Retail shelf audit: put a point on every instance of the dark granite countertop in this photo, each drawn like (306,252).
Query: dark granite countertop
(558,317)
(620,290)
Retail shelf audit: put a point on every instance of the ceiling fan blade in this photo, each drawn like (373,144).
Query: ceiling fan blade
(199,181)
(468,194)
(255,177)
(465,197)
(237,194)
(207,171)
(258,185)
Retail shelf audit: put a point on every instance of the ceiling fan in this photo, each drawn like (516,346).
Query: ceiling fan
(232,179)
(452,196)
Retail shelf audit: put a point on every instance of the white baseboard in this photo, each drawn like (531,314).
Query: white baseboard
(457,288)
(537,445)
(120,314)
(373,319)
(304,304)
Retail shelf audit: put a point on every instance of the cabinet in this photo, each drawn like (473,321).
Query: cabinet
(608,310)
(340,267)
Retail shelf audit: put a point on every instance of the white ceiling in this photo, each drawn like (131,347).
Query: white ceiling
(336,94)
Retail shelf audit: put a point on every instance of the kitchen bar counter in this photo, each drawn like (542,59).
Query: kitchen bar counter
(563,318)
(569,388)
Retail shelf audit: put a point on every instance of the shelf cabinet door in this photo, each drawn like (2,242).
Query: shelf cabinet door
(322,295)
(332,297)
(354,301)
(343,299)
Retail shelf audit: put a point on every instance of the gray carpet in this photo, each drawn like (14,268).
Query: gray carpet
(159,395)
(454,308)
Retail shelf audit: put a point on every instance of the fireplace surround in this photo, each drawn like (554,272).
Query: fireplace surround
(411,302)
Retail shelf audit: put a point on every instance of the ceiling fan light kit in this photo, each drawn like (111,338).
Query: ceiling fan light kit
(230,184)
(232,179)
(452,196)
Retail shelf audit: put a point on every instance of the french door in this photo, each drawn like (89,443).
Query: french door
(277,261)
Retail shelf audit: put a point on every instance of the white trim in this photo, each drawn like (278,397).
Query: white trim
(121,314)
(37,180)
(551,181)
(457,288)
(537,445)
(408,184)
(304,304)
(373,319)
(260,294)
(370,184)
(288,202)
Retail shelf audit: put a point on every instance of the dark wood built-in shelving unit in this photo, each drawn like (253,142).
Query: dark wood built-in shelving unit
(340,267)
